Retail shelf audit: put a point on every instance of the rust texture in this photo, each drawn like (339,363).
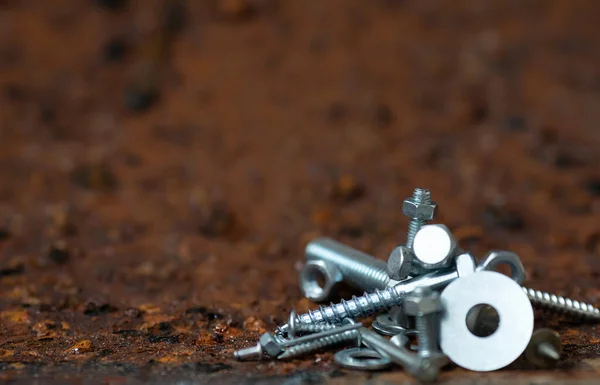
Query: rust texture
(145,238)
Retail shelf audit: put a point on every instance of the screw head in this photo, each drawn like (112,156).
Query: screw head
(421,302)
(434,246)
(270,344)
(400,263)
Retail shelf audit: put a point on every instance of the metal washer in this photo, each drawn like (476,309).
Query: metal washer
(514,331)
(362,359)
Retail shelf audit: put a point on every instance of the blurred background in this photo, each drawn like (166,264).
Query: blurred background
(164,163)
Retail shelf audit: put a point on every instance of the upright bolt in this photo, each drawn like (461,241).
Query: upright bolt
(425,305)
(422,368)
(544,349)
(420,209)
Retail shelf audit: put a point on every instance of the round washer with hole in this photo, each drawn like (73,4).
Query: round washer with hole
(361,359)
(515,325)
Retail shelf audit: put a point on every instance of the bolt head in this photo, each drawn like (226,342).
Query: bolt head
(465,264)
(434,247)
(417,304)
(270,344)
(423,211)
(400,263)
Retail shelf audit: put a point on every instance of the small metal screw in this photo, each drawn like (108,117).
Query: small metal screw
(544,349)
(420,209)
(320,342)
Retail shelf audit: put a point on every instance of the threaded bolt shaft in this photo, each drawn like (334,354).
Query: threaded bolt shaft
(562,305)
(421,196)
(309,347)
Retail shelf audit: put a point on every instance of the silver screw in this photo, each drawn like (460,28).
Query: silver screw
(379,300)
(295,327)
(320,343)
(425,305)
(422,368)
(268,343)
(420,209)
(544,349)
(562,305)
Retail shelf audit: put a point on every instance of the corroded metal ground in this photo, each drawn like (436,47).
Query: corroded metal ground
(146,245)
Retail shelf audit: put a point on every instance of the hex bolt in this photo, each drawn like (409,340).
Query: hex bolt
(425,305)
(420,209)
(434,247)
(379,300)
(357,269)
(544,349)
(400,263)
(422,368)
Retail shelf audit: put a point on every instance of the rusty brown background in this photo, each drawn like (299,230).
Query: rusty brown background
(157,190)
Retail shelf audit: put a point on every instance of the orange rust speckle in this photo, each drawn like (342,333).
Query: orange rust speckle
(17,365)
(205,339)
(83,346)
(169,359)
(254,324)
(220,328)
(152,320)
(16,316)
(4,354)
(322,216)
(150,308)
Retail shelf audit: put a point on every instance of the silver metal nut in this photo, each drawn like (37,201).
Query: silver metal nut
(400,263)
(423,211)
(270,344)
(434,247)
(309,279)
(416,305)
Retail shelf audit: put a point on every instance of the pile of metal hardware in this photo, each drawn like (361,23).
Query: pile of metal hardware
(432,298)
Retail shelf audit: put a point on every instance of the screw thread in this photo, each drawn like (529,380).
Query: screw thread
(308,347)
(422,326)
(562,305)
(367,304)
(314,328)
(420,195)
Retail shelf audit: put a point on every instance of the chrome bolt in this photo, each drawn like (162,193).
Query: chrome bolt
(295,327)
(420,209)
(425,305)
(422,368)
(400,263)
(268,343)
(340,263)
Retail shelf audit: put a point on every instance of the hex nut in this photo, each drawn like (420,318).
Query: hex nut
(422,211)
(270,345)
(400,263)
(309,279)
(419,305)
(434,247)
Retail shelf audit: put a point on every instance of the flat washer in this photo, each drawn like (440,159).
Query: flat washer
(514,330)
(361,359)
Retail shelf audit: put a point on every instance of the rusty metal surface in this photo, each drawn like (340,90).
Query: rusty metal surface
(144,242)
